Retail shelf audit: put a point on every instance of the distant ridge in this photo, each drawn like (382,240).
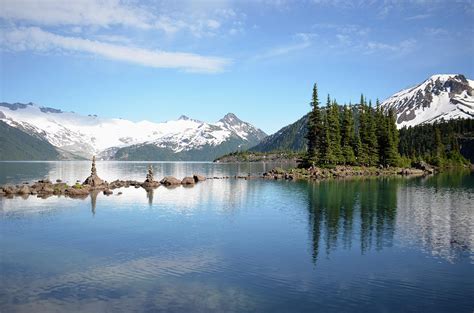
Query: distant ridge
(120,139)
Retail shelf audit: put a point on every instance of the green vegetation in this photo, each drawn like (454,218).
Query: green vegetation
(250,156)
(18,145)
(150,152)
(369,136)
(336,135)
(440,143)
(289,138)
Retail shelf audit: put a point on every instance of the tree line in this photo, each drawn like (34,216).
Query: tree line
(438,143)
(366,135)
(363,135)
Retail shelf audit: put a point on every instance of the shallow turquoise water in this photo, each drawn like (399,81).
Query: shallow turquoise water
(378,245)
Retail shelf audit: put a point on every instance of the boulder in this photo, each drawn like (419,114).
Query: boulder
(424,167)
(170,181)
(9,189)
(23,190)
(108,192)
(188,181)
(198,178)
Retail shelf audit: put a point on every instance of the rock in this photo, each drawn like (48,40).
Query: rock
(59,181)
(108,192)
(9,189)
(119,193)
(424,167)
(198,178)
(93,180)
(188,181)
(116,184)
(23,190)
(74,192)
(46,190)
(170,181)
(150,181)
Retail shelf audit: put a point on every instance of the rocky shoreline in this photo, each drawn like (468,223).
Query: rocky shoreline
(246,157)
(93,183)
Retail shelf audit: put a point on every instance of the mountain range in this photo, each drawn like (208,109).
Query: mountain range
(30,131)
(76,136)
(440,97)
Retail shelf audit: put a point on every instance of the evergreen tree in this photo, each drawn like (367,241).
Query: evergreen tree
(363,151)
(371,139)
(439,147)
(391,154)
(334,131)
(314,131)
(348,136)
(327,156)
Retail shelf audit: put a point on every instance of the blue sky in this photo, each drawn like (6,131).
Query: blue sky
(258,59)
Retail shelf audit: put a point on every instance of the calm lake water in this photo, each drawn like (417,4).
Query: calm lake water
(376,245)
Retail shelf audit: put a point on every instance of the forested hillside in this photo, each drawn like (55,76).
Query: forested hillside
(18,145)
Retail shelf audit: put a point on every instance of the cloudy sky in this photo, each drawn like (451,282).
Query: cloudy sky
(156,60)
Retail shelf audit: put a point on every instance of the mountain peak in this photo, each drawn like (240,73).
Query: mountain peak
(441,96)
(230,118)
(183,118)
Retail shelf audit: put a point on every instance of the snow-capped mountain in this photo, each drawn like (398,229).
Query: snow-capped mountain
(91,135)
(439,97)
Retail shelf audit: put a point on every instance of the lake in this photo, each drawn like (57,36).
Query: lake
(368,245)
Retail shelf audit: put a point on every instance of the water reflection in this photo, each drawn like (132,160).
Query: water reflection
(237,245)
(438,215)
(373,213)
(339,211)
(71,171)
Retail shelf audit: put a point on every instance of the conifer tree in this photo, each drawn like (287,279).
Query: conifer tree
(334,131)
(371,139)
(314,130)
(392,156)
(348,136)
(327,156)
(363,151)
(439,147)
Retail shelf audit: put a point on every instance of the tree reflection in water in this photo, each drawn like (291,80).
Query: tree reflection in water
(339,208)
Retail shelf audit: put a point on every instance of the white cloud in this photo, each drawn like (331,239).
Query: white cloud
(111,13)
(35,39)
(418,17)
(304,42)
(75,12)
(402,48)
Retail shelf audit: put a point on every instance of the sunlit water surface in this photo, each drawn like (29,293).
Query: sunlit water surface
(376,245)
